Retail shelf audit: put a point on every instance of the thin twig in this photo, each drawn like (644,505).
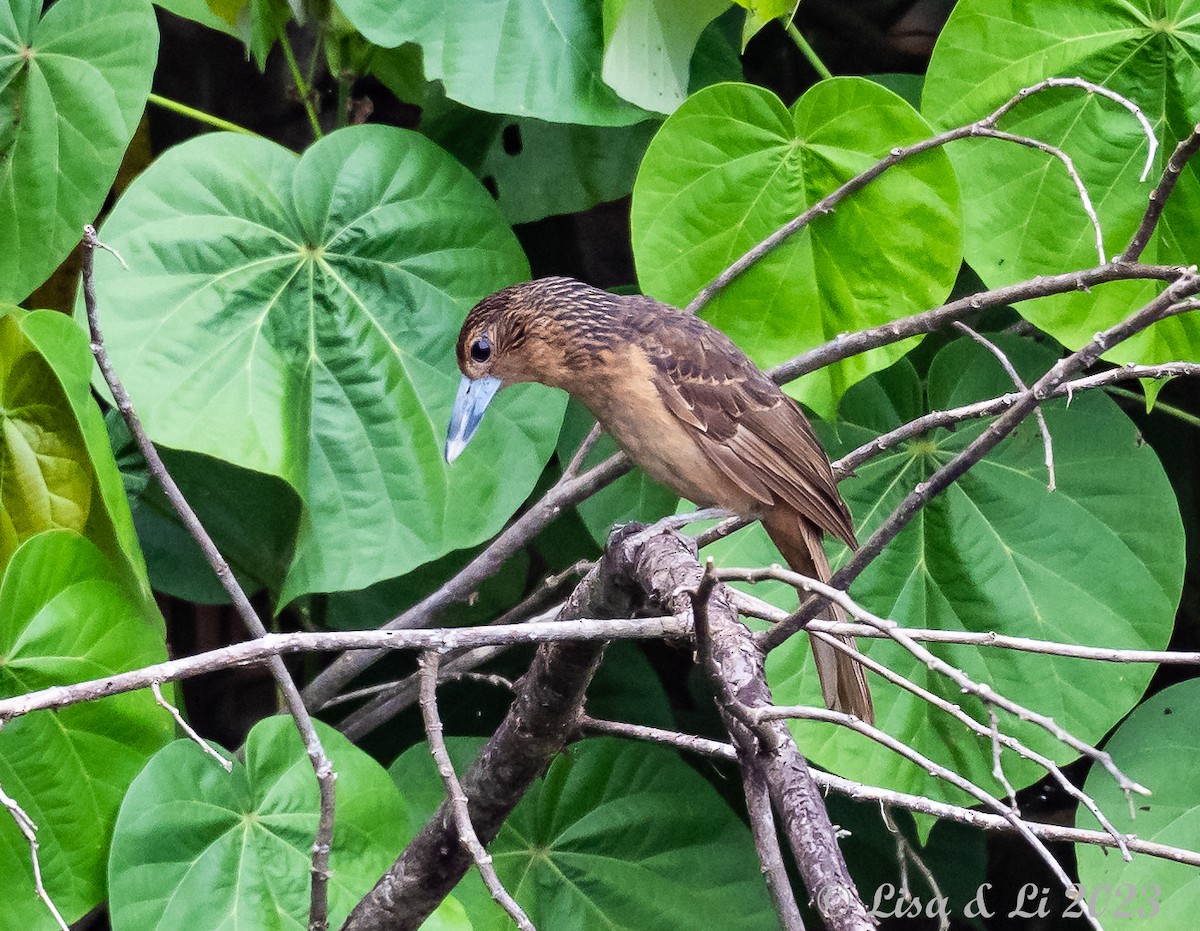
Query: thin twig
(1167,303)
(263,650)
(576,463)
(465,675)
(803,712)
(826,204)
(482,678)
(1069,164)
(1093,88)
(766,845)
(457,797)
(980,690)
(857,791)
(1019,384)
(998,767)
(318,919)
(204,745)
(906,853)
(27,828)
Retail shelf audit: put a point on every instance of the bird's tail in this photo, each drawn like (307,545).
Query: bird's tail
(843,681)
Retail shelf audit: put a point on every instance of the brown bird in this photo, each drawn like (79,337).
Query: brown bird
(685,404)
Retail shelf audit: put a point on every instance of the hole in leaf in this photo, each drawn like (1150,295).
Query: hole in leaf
(510,138)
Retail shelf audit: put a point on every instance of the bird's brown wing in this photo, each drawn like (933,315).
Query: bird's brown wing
(750,430)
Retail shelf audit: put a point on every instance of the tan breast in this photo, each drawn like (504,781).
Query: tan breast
(631,410)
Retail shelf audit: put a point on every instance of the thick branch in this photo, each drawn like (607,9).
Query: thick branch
(735,667)
(1158,197)
(544,715)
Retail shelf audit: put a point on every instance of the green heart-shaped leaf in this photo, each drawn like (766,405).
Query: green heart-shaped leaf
(1098,561)
(613,836)
(72,88)
(196,847)
(538,58)
(534,168)
(733,165)
(1022,213)
(298,317)
(1157,746)
(65,617)
(56,467)
(648,46)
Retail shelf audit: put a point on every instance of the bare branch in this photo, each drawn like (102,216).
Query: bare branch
(998,767)
(262,650)
(29,830)
(1164,305)
(1158,197)
(457,798)
(859,792)
(204,745)
(318,919)
(906,853)
(1093,88)
(1020,385)
(576,463)
(766,844)
(983,127)
(1069,164)
(933,768)
(981,691)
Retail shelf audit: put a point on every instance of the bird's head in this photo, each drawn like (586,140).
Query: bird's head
(543,331)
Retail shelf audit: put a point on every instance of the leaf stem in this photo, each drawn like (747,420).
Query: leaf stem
(302,87)
(199,115)
(1177,412)
(807,50)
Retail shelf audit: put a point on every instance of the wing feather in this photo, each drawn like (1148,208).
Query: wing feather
(745,426)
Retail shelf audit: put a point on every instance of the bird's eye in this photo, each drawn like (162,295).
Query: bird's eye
(481,349)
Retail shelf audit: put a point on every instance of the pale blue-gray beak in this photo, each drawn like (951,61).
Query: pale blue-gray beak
(474,395)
